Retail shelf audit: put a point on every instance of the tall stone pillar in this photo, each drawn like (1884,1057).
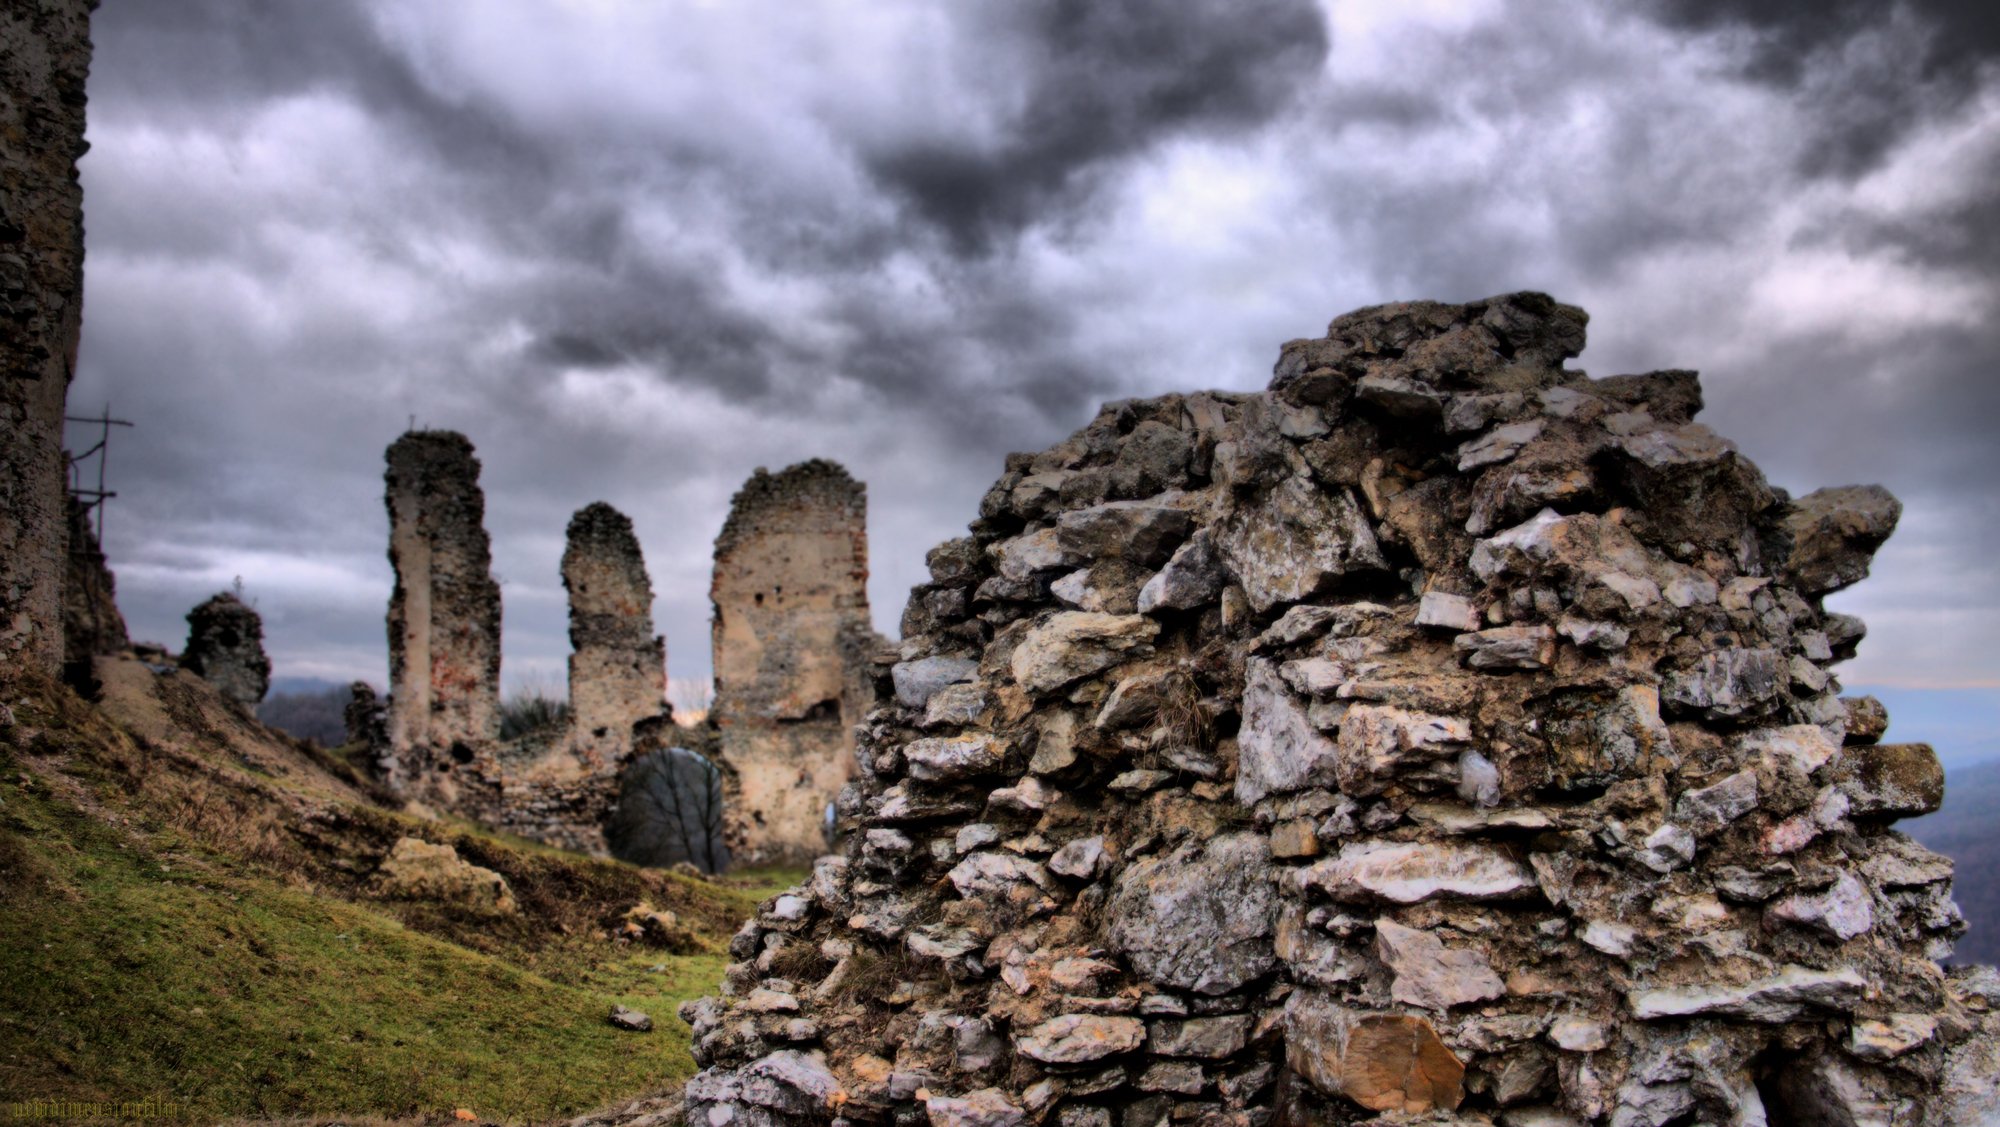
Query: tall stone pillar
(791,634)
(44,59)
(225,647)
(444,618)
(617,665)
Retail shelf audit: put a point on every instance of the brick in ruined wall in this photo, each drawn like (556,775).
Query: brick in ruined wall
(44,59)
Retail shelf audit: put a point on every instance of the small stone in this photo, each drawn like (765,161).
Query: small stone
(1614,939)
(1842,911)
(1210,1038)
(1503,648)
(1294,840)
(1381,744)
(917,681)
(1449,612)
(1428,974)
(1832,534)
(1198,919)
(1139,781)
(950,758)
(1789,995)
(1384,1062)
(1708,809)
(1072,645)
(1580,1035)
(983,874)
(1077,1038)
(1873,1040)
(1668,848)
(1144,532)
(1081,859)
(1278,748)
(987,1107)
(1192,578)
(1498,445)
(1891,780)
(1412,872)
(632,1021)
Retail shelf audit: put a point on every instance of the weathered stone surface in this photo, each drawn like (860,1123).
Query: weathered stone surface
(1829,536)
(1145,532)
(1508,647)
(791,642)
(1455,613)
(1733,682)
(1788,995)
(1200,919)
(1074,644)
(948,758)
(418,870)
(1384,1062)
(987,1107)
(225,647)
(1430,975)
(1192,578)
(1705,810)
(1412,872)
(91,623)
(984,874)
(918,681)
(1843,911)
(1211,1038)
(1891,780)
(1295,542)
(1382,744)
(1278,749)
(1078,1038)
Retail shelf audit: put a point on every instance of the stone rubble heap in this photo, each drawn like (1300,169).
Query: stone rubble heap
(1439,735)
(225,647)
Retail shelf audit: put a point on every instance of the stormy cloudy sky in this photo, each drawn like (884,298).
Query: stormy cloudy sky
(635,250)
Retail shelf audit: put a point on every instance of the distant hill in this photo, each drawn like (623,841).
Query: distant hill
(1968,831)
(307,707)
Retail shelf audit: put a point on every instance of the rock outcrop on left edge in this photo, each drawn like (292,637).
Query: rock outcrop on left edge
(1437,736)
(44,59)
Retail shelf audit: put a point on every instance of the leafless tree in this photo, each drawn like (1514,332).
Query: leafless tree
(670,810)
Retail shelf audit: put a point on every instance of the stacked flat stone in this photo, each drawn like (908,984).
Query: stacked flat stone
(1438,735)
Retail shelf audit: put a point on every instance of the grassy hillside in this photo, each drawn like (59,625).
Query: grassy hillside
(188,916)
(1968,831)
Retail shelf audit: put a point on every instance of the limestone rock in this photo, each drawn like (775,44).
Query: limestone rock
(1790,994)
(1891,780)
(1200,919)
(1278,749)
(1192,578)
(987,1107)
(418,870)
(1429,975)
(1382,744)
(918,681)
(1145,532)
(1829,536)
(944,758)
(1508,647)
(1384,1062)
(1412,872)
(1078,1038)
(1074,644)
(1295,543)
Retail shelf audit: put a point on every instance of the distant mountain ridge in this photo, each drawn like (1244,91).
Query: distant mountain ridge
(1968,831)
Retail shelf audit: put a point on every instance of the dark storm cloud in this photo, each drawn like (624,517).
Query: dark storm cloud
(1902,80)
(1103,79)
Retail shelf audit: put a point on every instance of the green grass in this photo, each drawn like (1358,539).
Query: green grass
(138,970)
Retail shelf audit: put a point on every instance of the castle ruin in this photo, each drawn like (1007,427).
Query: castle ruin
(444,617)
(1440,735)
(792,641)
(617,665)
(44,59)
(225,647)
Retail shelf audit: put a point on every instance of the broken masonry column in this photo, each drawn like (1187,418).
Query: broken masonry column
(617,667)
(791,633)
(44,59)
(444,617)
(225,647)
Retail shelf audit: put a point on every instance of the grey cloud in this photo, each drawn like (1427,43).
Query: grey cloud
(1104,79)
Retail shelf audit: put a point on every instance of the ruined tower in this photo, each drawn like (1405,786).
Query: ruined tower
(617,667)
(225,647)
(444,618)
(92,625)
(44,58)
(791,633)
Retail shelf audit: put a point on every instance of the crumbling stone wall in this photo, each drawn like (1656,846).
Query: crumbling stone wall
(1439,735)
(44,59)
(617,665)
(225,647)
(444,618)
(92,624)
(792,642)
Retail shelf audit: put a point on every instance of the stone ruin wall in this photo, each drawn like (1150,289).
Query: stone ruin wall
(44,60)
(225,647)
(618,666)
(92,624)
(444,618)
(1439,736)
(792,640)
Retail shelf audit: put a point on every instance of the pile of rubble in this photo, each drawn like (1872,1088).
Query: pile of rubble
(1439,734)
